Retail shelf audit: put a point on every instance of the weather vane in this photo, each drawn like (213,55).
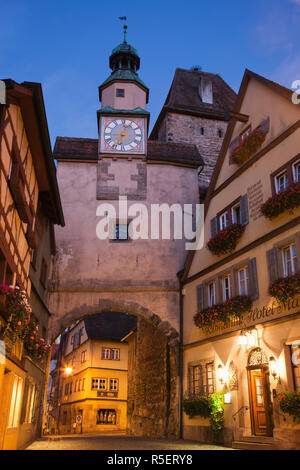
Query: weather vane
(124,18)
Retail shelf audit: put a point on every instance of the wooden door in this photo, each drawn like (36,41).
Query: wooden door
(260,402)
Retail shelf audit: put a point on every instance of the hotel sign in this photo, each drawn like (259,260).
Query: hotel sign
(258,315)
(107,394)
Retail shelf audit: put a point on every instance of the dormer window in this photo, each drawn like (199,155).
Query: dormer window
(120,92)
(206,91)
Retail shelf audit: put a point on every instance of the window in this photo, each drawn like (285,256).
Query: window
(202,379)
(43,275)
(120,231)
(295,358)
(66,389)
(226,288)
(236,213)
(211,294)
(115,354)
(120,92)
(79,385)
(243,280)
(71,386)
(245,134)
(31,402)
(202,130)
(289,258)
(281,182)
(220,133)
(83,381)
(105,416)
(296,172)
(83,356)
(72,339)
(99,384)
(75,386)
(15,403)
(113,384)
(223,220)
(105,353)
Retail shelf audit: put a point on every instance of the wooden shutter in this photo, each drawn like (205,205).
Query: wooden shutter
(265,125)
(244,210)
(253,281)
(213,227)
(200,297)
(235,143)
(272,264)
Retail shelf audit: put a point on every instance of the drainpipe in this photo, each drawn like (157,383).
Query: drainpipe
(180,365)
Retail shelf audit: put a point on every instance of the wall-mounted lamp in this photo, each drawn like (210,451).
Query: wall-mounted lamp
(242,340)
(273,364)
(222,374)
(68,370)
(248,338)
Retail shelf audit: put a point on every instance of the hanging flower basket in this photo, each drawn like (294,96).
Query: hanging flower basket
(226,240)
(16,311)
(249,146)
(285,288)
(223,314)
(287,200)
(34,345)
(289,403)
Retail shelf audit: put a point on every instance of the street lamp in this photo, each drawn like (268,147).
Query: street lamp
(68,370)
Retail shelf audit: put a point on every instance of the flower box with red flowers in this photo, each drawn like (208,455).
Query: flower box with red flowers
(222,315)
(285,288)
(289,403)
(249,146)
(34,345)
(287,200)
(16,311)
(226,240)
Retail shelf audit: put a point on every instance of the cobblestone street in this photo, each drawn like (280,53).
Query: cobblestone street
(117,443)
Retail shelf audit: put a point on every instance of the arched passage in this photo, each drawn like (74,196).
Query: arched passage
(152,396)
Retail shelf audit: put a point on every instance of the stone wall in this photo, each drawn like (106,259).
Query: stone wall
(152,384)
(188,129)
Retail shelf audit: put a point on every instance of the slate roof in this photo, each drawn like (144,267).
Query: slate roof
(184,97)
(68,148)
(110,326)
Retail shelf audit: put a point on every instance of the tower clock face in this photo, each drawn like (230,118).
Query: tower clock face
(123,135)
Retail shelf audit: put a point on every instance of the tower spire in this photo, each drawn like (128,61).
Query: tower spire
(124,18)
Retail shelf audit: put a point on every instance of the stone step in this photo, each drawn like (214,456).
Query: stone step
(262,439)
(253,445)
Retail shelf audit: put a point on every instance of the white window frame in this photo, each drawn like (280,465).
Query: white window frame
(233,213)
(223,220)
(243,280)
(211,288)
(295,178)
(105,354)
(114,385)
(115,354)
(293,256)
(225,288)
(277,179)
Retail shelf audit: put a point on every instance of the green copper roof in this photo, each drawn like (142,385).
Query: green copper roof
(138,110)
(124,47)
(125,74)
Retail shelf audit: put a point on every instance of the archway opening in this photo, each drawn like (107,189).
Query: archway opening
(113,372)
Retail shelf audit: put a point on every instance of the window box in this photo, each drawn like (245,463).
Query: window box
(286,200)
(222,314)
(226,240)
(248,146)
(286,288)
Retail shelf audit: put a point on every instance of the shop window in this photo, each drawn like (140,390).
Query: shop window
(295,359)
(105,416)
(15,403)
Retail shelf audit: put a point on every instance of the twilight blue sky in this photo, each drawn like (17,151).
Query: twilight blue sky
(65,45)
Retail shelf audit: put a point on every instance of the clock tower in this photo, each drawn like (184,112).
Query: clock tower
(123,119)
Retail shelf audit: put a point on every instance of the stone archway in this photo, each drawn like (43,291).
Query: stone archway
(59,323)
(153,398)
